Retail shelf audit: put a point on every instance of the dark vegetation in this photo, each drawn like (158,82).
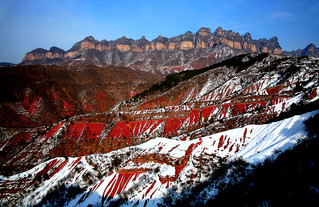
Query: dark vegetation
(174,79)
(193,196)
(60,196)
(296,109)
(290,180)
(116,161)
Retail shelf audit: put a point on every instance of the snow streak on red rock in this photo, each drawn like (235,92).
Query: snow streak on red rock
(126,152)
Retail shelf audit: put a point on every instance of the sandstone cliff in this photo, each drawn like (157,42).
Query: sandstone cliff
(167,55)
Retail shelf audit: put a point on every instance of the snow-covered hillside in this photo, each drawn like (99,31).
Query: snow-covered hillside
(145,173)
(171,137)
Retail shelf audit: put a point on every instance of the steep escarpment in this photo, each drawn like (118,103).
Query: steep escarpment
(165,55)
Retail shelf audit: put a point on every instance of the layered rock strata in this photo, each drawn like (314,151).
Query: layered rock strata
(166,55)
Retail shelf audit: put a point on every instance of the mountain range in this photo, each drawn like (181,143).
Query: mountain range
(162,55)
(6,64)
(310,50)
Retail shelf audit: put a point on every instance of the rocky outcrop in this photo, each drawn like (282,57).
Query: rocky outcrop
(37,54)
(162,54)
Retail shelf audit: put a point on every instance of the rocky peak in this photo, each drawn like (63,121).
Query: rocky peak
(42,54)
(188,33)
(161,39)
(311,47)
(219,31)
(310,50)
(204,31)
(90,38)
(56,50)
(273,42)
(104,42)
(231,33)
(124,40)
(248,36)
(143,40)
(39,51)
(188,36)
(36,54)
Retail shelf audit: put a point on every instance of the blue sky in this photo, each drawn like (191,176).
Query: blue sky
(29,24)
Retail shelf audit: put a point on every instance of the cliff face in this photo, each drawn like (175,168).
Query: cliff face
(38,54)
(167,55)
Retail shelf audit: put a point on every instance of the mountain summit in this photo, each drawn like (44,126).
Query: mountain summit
(310,50)
(164,55)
